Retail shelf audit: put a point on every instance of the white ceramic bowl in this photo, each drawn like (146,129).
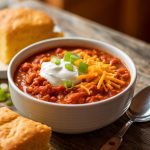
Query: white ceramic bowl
(71,118)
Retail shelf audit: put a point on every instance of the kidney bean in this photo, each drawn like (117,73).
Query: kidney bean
(26,66)
(58,88)
(114,61)
(74,98)
(59,50)
(30,77)
(121,70)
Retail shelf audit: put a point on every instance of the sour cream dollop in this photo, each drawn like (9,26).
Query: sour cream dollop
(57,74)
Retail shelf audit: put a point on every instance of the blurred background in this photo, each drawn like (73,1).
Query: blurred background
(129,16)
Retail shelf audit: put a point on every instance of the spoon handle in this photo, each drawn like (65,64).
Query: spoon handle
(114,142)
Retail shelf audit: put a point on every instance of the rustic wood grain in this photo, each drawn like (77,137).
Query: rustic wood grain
(138,136)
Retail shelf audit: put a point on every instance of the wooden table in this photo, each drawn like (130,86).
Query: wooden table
(138,136)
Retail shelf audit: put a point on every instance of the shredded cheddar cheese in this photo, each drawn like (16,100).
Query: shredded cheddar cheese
(104,87)
(86,89)
(101,80)
(99,73)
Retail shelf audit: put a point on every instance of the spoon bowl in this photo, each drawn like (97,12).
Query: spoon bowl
(139,110)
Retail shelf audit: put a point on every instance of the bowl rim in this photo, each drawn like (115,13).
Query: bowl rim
(29,97)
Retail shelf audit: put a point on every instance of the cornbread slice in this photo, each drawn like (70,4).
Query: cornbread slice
(19,133)
(20,27)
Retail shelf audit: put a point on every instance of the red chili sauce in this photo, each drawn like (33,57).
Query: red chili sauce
(28,80)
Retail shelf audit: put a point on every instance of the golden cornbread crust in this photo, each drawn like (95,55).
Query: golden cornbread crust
(14,18)
(20,27)
(19,133)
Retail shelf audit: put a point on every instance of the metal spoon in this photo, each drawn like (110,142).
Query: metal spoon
(139,111)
